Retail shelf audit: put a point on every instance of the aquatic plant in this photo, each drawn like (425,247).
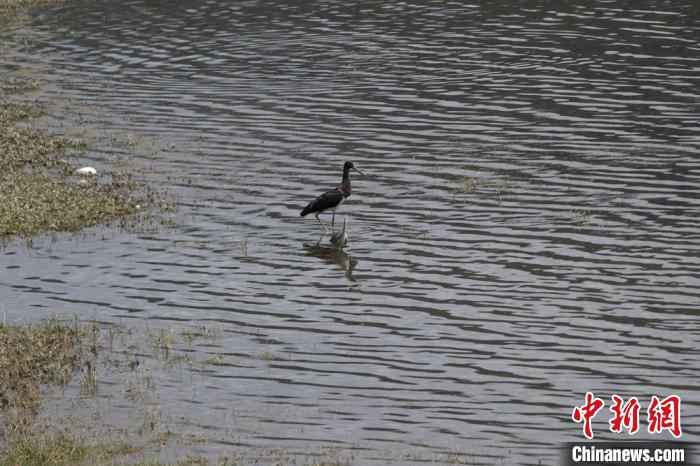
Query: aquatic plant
(35,354)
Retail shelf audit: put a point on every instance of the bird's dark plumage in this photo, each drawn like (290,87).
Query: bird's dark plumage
(325,201)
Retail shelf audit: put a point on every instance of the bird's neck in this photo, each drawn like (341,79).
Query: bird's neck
(344,186)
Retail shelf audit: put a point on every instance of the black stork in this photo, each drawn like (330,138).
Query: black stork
(332,199)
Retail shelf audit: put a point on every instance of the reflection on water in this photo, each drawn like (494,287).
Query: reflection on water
(334,256)
(527,228)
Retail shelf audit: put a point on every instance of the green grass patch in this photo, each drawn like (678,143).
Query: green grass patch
(36,202)
(38,187)
(61,449)
(35,354)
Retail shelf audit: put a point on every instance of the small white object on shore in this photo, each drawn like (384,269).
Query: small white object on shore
(86,171)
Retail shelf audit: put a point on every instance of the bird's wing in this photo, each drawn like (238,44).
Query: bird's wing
(324,201)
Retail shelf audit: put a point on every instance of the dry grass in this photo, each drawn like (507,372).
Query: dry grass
(267,354)
(202,332)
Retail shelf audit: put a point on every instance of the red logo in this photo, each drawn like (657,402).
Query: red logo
(587,412)
(665,415)
(626,415)
(661,415)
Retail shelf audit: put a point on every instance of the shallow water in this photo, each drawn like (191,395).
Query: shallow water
(527,229)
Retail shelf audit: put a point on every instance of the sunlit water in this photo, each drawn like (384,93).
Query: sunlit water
(527,228)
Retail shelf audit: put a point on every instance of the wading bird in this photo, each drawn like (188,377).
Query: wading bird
(332,199)
(339,238)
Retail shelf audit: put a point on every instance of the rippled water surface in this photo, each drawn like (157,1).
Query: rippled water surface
(526,229)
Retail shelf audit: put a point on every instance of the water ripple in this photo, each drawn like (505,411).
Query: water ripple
(526,229)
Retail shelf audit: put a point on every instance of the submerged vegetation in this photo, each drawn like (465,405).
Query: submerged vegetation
(33,356)
(36,358)
(580,217)
(498,186)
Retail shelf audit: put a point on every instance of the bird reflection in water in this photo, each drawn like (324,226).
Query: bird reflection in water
(339,238)
(333,255)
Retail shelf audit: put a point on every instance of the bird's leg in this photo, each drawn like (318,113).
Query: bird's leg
(321,222)
(333,221)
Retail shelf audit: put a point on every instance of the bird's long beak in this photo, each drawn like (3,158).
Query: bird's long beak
(358,171)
